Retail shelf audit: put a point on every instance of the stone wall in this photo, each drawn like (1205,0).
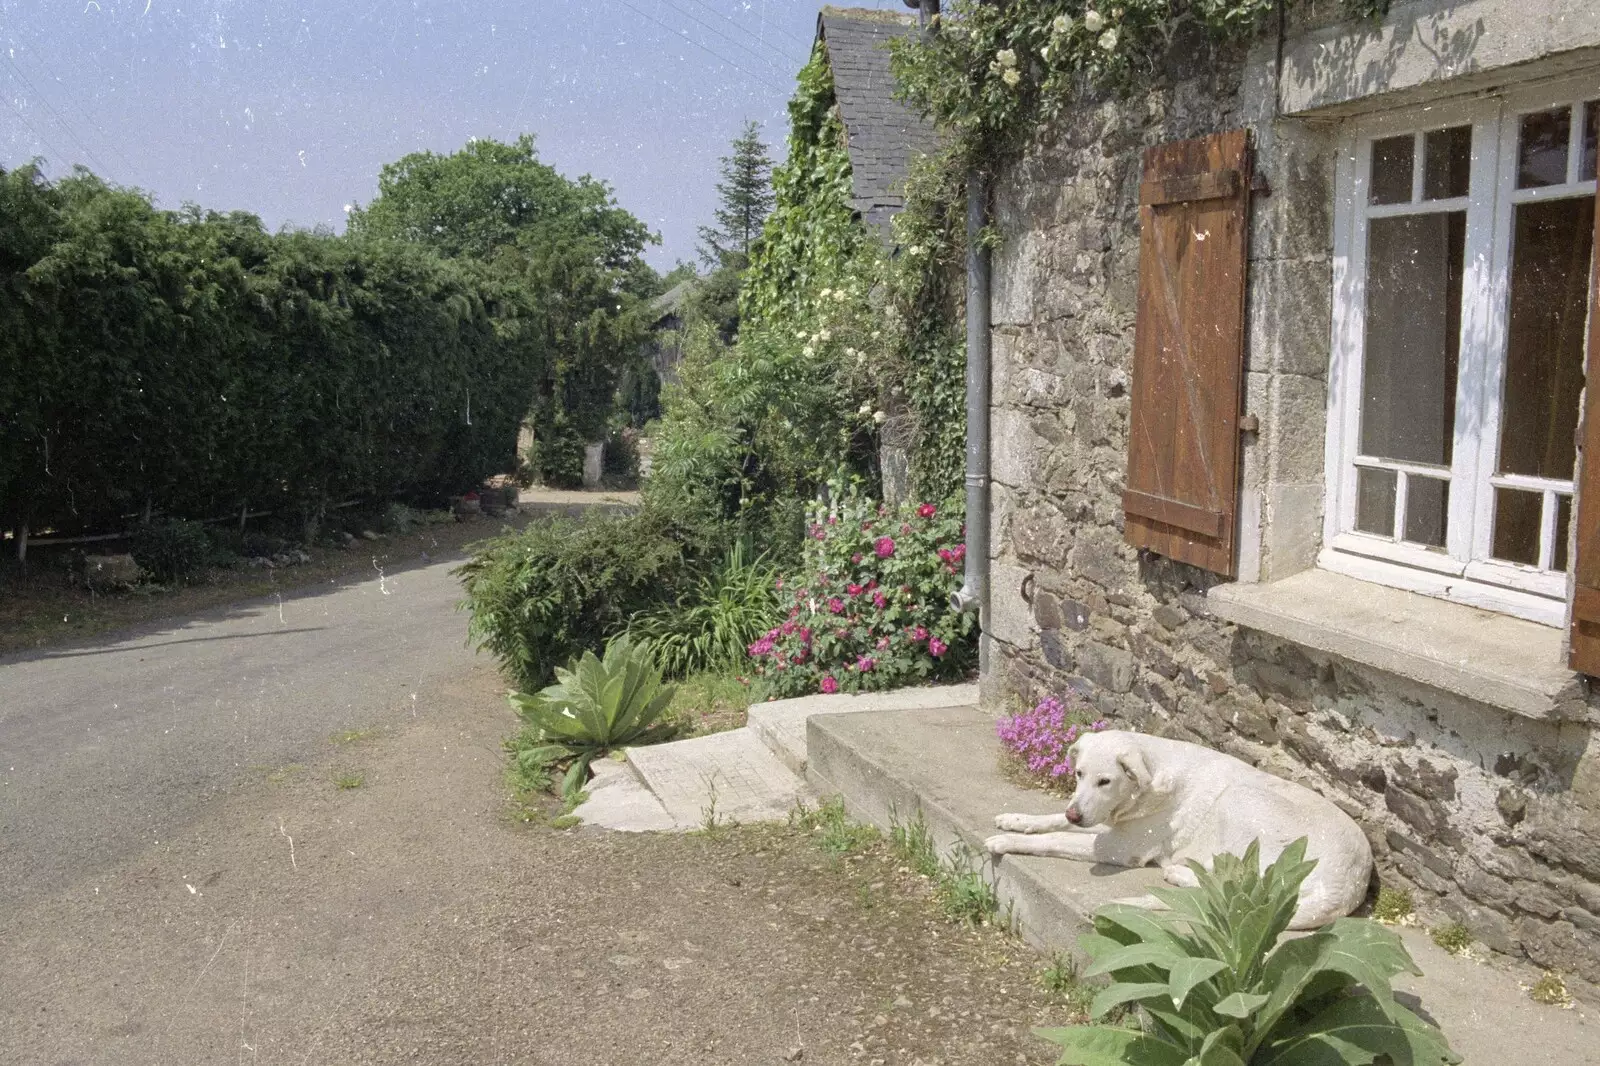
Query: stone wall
(1490,817)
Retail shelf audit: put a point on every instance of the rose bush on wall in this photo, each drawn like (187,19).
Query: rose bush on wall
(869,607)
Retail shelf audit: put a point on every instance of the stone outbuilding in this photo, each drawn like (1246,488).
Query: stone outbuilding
(1288,439)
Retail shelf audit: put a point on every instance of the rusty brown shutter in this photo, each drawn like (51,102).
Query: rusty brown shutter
(1584,654)
(1188,352)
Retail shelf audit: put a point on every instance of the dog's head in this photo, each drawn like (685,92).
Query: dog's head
(1112,778)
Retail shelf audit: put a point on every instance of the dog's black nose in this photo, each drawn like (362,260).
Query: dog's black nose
(1074,815)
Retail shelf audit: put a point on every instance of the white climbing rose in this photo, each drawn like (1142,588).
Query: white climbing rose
(1006,58)
(1061,24)
(1108,39)
(1011,77)
(1093,21)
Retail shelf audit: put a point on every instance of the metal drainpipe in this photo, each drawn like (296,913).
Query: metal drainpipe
(974,592)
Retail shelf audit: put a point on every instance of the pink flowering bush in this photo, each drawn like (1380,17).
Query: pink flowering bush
(869,607)
(1038,740)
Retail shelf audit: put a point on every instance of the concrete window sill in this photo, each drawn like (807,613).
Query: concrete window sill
(1509,663)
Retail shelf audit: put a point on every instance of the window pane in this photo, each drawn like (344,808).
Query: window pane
(1591,141)
(1447,163)
(1545,342)
(1542,152)
(1427,510)
(1413,336)
(1517,517)
(1563,530)
(1375,501)
(1391,169)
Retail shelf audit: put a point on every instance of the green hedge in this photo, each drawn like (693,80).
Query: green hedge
(194,363)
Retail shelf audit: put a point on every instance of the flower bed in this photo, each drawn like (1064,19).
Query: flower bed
(869,608)
(1037,742)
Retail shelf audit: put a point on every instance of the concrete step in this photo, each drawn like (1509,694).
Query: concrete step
(732,774)
(618,800)
(891,765)
(781,725)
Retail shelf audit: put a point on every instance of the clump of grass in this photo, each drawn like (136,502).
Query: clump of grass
(913,844)
(565,821)
(1394,905)
(836,833)
(347,780)
(963,893)
(710,702)
(1063,981)
(1452,936)
(1551,990)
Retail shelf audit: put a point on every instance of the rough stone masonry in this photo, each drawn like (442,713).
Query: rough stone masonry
(1490,817)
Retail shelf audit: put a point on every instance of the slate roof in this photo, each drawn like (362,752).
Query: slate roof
(670,302)
(882,134)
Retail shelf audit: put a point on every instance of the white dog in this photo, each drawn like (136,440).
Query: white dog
(1167,802)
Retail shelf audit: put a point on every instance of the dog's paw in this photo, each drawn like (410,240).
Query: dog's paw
(1012,823)
(999,844)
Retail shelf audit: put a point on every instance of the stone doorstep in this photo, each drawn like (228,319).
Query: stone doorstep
(944,763)
(757,770)
(781,724)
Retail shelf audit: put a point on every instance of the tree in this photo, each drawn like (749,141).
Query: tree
(567,254)
(746,194)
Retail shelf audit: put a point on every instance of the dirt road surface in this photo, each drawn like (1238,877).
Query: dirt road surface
(280,834)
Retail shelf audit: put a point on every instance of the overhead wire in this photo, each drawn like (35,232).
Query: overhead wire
(736,24)
(83,112)
(681,36)
(48,106)
(34,130)
(718,33)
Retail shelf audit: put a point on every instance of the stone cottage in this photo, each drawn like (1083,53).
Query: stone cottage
(1287,435)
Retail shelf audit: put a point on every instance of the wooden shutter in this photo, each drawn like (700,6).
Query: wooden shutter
(1584,643)
(1188,353)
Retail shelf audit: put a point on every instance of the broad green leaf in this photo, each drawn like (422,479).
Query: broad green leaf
(577,774)
(1361,949)
(1186,973)
(1158,954)
(1126,992)
(1240,1004)
(1353,1031)
(1095,1045)
(1223,1047)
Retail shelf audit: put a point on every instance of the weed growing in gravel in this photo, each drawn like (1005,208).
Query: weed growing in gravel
(960,887)
(710,820)
(965,894)
(1551,990)
(836,833)
(349,779)
(1452,936)
(1062,980)
(351,736)
(565,821)
(914,845)
(1394,906)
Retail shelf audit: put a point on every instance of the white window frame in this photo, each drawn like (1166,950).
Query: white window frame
(1462,571)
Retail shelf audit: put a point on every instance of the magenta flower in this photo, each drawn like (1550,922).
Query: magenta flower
(884,546)
(919,634)
(883,642)
(836,605)
(879,601)
(829,685)
(854,590)
(937,647)
(866,663)
(855,560)
(927,510)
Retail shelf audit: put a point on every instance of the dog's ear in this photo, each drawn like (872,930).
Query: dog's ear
(1132,763)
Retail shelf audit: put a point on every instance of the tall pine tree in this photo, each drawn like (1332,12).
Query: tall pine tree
(746,197)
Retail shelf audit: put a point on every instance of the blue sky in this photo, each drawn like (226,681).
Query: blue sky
(288,108)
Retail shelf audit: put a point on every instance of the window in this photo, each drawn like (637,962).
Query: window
(1463,240)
